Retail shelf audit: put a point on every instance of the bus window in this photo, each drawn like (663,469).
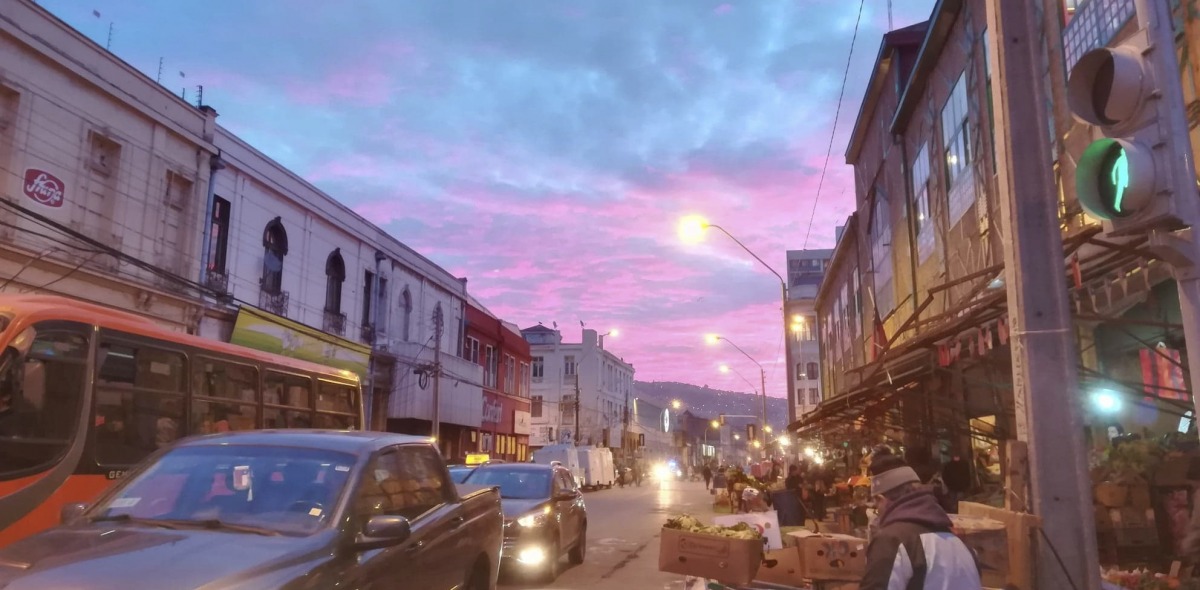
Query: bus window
(214,378)
(335,421)
(139,401)
(235,388)
(42,376)
(288,399)
(336,397)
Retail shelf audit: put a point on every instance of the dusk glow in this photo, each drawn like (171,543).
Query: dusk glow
(547,151)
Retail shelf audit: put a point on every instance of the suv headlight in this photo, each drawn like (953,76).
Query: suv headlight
(534,519)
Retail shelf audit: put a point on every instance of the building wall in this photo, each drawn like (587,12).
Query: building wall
(605,383)
(806,270)
(504,428)
(126,171)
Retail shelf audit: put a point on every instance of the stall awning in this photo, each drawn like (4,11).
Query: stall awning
(267,332)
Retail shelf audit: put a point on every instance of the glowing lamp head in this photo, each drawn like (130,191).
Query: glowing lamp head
(691,229)
(783,441)
(715,424)
(1106,401)
(768,429)
(723,368)
(712,338)
(676,404)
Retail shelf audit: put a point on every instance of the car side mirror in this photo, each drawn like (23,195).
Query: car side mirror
(383,531)
(565,495)
(70,513)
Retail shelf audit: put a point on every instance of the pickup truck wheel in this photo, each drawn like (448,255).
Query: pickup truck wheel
(579,551)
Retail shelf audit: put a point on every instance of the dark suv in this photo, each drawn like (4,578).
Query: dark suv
(544,515)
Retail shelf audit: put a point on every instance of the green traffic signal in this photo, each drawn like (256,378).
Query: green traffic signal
(1114,168)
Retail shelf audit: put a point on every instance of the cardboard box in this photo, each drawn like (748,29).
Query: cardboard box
(833,557)
(731,561)
(989,540)
(782,567)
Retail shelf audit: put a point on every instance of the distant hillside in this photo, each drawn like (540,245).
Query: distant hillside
(707,402)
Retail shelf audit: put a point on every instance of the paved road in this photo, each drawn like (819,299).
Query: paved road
(623,527)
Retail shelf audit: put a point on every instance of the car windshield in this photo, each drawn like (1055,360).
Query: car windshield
(284,490)
(515,484)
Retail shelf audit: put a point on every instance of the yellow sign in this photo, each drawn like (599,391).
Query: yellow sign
(477,458)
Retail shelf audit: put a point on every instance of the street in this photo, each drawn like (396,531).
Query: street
(623,526)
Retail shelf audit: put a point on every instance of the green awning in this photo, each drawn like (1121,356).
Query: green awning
(267,332)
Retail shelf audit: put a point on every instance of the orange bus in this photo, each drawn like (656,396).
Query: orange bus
(86,392)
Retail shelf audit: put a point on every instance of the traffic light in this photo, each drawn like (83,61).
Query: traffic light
(1140,176)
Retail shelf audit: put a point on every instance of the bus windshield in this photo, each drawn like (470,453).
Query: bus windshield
(42,378)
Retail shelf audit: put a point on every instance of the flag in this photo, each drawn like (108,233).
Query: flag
(182,75)
(1002,330)
(1076,273)
(879,335)
(1161,377)
(943,352)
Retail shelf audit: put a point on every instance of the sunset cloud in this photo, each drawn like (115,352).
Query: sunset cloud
(546,149)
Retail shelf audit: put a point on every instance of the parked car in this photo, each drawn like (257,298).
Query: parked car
(273,509)
(544,515)
(459,473)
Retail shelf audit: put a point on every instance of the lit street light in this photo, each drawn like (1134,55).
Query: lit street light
(783,441)
(691,230)
(715,424)
(676,404)
(714,338)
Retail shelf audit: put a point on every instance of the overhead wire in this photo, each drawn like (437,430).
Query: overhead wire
(833,132)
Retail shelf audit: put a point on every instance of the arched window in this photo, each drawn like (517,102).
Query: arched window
(406,305)
(275,247)
(335,275)
(811,371)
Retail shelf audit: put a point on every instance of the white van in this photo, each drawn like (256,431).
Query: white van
(597,465)
(563,454)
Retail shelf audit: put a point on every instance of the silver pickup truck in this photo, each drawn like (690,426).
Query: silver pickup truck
(274,509)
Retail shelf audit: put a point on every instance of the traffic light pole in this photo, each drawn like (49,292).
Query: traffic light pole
(1044,356)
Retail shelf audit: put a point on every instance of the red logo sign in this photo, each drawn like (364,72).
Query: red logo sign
(43,187)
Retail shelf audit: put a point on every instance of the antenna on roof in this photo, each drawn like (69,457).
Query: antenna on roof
(889,15)
(158,78)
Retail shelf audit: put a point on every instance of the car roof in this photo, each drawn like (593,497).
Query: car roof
(519,466)
(346,441)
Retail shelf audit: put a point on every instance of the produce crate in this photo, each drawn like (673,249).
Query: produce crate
(729,560)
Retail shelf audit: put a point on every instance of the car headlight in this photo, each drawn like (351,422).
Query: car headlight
(534,519)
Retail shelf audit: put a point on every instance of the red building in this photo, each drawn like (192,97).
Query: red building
(498,347)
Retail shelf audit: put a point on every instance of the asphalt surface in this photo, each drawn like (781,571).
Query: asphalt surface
(623,531)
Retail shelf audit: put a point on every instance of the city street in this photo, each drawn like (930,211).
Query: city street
(623,537)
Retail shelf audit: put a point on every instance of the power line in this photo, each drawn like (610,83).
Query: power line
(833,132)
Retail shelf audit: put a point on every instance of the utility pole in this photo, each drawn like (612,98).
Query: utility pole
(578,405)
(1044,355)
(435,431)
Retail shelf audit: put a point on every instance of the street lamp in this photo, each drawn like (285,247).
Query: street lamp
(714,338)
(676,404)
(691,230)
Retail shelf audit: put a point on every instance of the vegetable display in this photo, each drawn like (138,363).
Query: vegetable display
(691,524)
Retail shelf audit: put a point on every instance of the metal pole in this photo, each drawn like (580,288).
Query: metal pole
(578,406)
(789,360)
(1044,355)
(437,376)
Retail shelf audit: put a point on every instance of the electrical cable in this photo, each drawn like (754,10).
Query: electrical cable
(833,132)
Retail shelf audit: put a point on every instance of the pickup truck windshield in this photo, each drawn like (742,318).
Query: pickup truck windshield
(283,489)
(516,483)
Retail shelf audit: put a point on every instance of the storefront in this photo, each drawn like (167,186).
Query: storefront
(504,433)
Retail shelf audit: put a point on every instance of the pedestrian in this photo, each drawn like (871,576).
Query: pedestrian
(957,475)
(912,546)
(637,473)
(707,473)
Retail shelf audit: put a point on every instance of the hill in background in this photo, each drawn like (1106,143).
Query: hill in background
(709,403)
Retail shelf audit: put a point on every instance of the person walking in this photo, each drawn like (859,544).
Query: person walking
(912,546)
(707,473)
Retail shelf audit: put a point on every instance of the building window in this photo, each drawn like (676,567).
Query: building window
(523,381)
(920,187)
(510,375)
(569,365)
(471,350)
(955,133)
(490,367)
(218,245)
(814,396)
(535,406)
(275,247)
(368,286)
(539,368)
(335,275)
(406,302)
(810,371)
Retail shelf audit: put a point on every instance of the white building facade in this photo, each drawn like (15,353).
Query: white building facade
(806,269)
(561,372)
(114,190)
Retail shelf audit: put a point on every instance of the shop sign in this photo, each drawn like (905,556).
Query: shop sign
(521,422)
(492,411)
(43,187)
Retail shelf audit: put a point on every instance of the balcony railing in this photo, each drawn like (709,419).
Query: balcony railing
(276,303)
(368,334)
(334,323)
(217,281)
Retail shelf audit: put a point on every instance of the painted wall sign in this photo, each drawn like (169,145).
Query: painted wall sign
(521,422)
(492,411)
(43,187)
